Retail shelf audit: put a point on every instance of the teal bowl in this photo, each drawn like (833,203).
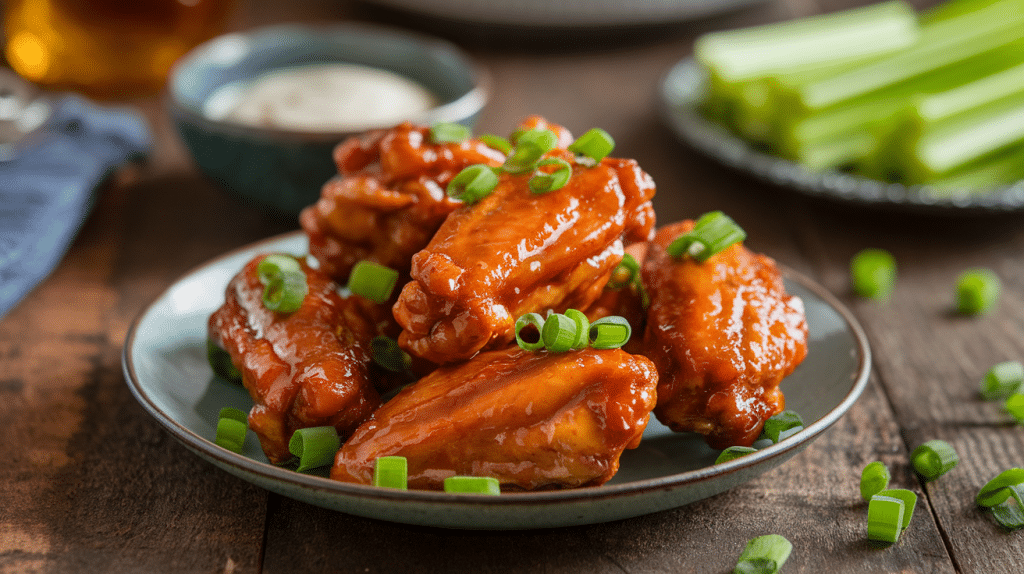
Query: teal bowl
(282,170)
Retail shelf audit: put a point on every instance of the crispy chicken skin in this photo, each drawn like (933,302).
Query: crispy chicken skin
(516,252)
(723,334)
(532,420)
(388,199)
(303,369)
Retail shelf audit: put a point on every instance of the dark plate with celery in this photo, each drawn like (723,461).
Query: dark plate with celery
(166,368)
(917,112)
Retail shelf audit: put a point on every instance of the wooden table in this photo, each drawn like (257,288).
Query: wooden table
(91,483)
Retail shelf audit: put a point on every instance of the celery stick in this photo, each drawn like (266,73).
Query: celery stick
(972,95)
(952,9)
(945,146)
(942,43)
(748,53)
(843,149)
(1002,169)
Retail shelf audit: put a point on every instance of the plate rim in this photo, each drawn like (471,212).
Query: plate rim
(205,448)
(716,142)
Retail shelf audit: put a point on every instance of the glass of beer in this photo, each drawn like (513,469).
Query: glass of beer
(107,49)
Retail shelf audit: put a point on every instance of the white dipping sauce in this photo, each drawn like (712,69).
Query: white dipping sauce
(321,98)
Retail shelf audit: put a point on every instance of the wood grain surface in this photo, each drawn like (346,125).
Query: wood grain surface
(91,483)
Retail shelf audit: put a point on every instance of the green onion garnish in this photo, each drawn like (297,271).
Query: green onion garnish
(934,459)
(781,426)
(232,425)
(609,332)
(873,273)
(497,142)
(595,144)
(712,233)
(582,327)
(386,353)
(764,555)
(625,273)
(472,485)
(1014,405)
(909,499)
(1008,514)
(220,362)
(443,133)
(391,472)
(734,452)
(526,341)
(284,283)
(315,446)
(977,291)
(530,147)
(995,491)
(873,479)
(473,183)
(373,281)
(1002,380)
(885,518)
(559,333)
(543,182)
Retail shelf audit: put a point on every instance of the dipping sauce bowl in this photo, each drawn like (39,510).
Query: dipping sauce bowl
(278,164)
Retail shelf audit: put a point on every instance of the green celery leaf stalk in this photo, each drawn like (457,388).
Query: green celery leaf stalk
(942,43)
(1002,169)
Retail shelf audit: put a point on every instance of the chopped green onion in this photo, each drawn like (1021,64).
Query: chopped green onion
(232,425)
(449,133)
(315,446)
(764,555)
(909,499)
(582,327)
(559,333)
(885,518)
(530,320)
(531,146)
(995,491)
(543,182)
(712,233)
(977,291)
(220,362)
(1008,514)
(386,353)
(472,485)
(873,479)
(497,142)
(595,144)
(284,283)
(1014,405)
(625,273)
(609,332)
(873,273)
(734,452)
(1002,380)
(391,472)
(934,459)
(373,281)
(782,425)
(473,183)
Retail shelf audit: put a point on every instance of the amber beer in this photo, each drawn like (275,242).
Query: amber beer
(106,48)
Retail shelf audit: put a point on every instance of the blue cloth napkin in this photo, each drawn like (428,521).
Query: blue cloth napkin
(47,188)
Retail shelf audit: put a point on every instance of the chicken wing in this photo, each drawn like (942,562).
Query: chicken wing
(723,334)
(303,369)
(388,199)
(516,252)
(532,420)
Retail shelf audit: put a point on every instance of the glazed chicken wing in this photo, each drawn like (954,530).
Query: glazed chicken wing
(532,420)
(516,252)
(723,334)
(303,369)
(388,199)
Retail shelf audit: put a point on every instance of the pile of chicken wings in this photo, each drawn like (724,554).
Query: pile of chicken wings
(711,340)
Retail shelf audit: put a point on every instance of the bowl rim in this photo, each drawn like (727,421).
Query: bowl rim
(461,108)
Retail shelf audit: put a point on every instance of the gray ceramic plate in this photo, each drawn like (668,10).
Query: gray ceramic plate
(165,365)
(681,90)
